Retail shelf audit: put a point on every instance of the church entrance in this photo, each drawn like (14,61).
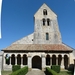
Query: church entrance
(36,62)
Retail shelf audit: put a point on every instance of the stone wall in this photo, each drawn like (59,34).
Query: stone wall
(72,56)
(30,56)
(26,40)
(40,30)
(1,60)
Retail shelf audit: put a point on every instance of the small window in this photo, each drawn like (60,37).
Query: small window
(44,12)
(25,59)
(48,21)
(7,58)
(44,21)
(48,60)
(47,36)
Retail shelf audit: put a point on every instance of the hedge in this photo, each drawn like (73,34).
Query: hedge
(15,67)
(21,71)
(50,72)
(56,68)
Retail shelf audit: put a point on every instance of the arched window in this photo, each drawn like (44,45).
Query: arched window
(48,21)
(66,61)
(7,59)
(13,59)
(59,59)
(48,60)
(24,59)
(47,36)
(53,59)
(18,59)
(44,12)
(44,21)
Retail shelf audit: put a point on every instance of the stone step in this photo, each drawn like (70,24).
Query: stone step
(35,72)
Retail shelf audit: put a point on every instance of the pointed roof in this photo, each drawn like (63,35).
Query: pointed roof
(44,6)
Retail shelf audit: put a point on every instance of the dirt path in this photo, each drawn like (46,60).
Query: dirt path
(35,72)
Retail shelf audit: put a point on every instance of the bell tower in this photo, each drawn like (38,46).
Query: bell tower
(46,30)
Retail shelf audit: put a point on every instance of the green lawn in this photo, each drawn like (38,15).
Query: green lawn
(6,72)
(65,73)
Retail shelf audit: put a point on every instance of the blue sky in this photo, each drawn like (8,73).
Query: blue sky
(17,19)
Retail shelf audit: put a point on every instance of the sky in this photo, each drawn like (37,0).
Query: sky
(17,19)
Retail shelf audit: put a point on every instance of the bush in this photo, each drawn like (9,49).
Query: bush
(21,71)
(50,72)
(56,68)
(16,67)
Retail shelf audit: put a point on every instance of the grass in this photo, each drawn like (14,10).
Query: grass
(6,72)
(65,73)
(61,73)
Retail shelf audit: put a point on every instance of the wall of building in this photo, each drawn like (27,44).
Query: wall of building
(1,60)
(26,40)
(42,55)
(40,30)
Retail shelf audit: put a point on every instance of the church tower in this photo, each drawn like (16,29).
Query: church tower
(46,30)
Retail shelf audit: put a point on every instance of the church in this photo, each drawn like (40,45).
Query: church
(42,48)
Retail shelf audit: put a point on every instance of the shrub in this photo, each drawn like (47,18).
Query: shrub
(50,71)
(56,68)
(16,67)
(21,71)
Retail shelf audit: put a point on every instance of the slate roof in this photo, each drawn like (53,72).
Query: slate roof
(39,47)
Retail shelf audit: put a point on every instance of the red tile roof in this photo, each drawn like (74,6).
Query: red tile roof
(39,47)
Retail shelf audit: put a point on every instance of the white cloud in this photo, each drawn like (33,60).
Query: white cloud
(0,16)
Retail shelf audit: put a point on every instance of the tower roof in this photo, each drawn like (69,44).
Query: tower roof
(44,6)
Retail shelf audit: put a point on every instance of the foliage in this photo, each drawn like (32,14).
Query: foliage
(15,67)
(50,71)
(21,71)
(56,68)
(65,73)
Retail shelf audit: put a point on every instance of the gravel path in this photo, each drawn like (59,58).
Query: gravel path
(35,72)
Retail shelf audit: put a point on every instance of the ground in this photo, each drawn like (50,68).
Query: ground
(6,72)
(61,73)
(65,73)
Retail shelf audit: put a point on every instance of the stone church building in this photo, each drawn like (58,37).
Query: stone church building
(42,48)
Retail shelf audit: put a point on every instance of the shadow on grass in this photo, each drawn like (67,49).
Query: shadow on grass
(70,72)
(65,73)
(71,68)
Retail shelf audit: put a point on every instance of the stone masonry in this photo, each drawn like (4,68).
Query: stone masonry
(40,30)
(44,44)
